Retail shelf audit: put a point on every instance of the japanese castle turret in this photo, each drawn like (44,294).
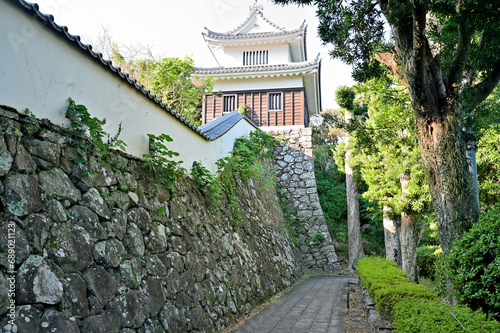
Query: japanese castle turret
(262,70)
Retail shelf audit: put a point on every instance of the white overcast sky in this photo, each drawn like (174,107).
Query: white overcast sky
(173,28)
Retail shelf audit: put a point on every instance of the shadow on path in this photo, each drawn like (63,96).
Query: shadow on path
(317,305)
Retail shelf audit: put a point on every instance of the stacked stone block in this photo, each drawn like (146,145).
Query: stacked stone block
(294,165)
(100,247)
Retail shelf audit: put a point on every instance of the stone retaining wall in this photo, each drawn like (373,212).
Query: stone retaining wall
(106,249)
(294,166)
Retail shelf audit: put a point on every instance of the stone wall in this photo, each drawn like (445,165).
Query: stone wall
(294,166)
(102,248)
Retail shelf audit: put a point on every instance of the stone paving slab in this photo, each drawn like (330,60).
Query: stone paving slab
(317,305)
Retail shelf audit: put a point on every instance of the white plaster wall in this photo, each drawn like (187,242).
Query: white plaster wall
(281,82)
(40,70)
(233,56)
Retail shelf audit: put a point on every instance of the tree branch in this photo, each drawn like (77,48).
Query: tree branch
(482,42)
(416,69)
(464,39)
(390,59)
(419,59)
(484,88)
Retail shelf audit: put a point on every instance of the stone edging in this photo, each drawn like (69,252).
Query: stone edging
(376,322)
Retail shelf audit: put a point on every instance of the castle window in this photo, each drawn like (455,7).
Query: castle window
(275,101)
(229,103)
(255,58)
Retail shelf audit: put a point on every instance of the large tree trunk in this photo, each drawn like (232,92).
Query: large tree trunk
(443,152)
(409,246)
(353,223)
(408,237)
(435,99)
(391,237)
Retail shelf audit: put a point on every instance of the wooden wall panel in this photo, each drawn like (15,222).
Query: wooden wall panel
(257,107)
(299,108)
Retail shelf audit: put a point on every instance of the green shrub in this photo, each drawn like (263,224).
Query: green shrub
(426,259)
(474,264)
(427,316)
(83,124)
(160,160)
(415,308)
(440,283)
(208,183)
(244,161)
(332,196)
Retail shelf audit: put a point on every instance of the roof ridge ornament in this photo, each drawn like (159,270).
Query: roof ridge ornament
(256,7)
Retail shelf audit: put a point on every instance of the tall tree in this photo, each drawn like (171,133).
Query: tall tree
(391,236)
(446,53)
(345,99)
(390,165)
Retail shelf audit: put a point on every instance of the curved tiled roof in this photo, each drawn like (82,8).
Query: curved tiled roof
(256,69)
(220,126)
(75,40)
(256,10)
(218,35)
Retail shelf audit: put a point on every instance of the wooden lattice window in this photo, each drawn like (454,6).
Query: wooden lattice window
(275,101)
(255,58)
(229,103)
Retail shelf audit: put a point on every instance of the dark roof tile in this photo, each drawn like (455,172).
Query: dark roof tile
(220,126)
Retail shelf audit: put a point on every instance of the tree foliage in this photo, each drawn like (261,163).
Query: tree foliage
(171,80)
(488,166)
(487,123)
(383,144)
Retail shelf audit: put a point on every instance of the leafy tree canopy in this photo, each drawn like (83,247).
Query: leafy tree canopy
(383,144)
(456,38)
(446,53)
(169,78)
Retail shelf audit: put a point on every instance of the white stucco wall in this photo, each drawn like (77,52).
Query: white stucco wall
(39,70)
(233,56)
(281,82)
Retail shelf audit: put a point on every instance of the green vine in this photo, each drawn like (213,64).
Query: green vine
(159,161)
(83,124)
(244,163)
(208,183)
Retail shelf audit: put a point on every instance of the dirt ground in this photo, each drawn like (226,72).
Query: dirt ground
(356,320)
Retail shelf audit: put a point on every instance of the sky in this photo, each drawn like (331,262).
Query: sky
(172,28)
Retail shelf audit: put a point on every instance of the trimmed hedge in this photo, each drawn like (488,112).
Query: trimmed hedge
(415,308)
(417,315)
(388,284)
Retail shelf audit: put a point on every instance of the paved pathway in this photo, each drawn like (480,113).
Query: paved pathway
(317,305)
